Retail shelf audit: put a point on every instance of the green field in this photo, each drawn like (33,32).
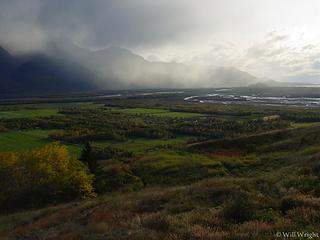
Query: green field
(29,113)
(24,140)
(169,167)
(157,112)
(141,144)
(43,110)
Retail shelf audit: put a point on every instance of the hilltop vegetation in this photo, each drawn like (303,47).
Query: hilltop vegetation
(160,169)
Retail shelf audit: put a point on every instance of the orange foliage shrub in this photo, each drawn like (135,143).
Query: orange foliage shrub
(42,176)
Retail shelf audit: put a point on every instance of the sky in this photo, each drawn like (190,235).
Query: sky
(277,39)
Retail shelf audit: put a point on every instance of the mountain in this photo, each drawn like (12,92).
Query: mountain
(125,69)
(41,74)
(66,67)
(7,65)
(53,75)
(232,77)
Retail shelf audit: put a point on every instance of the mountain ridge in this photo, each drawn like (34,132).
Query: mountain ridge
(66,67)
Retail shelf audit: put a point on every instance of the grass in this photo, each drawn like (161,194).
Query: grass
(43,110)
(187,212)
(157,112)
(7,222)
(29,113)
(169,167)
(304,125)
(82,105)
(311,150)
(24,140)
(141,144)
(238,117)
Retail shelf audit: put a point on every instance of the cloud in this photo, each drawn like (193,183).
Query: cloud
(210,32)
(18,25)
(278,55)
(97,23)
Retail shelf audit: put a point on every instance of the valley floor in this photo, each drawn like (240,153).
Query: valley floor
(171,170)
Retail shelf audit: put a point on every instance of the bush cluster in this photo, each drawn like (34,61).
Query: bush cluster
(39,177)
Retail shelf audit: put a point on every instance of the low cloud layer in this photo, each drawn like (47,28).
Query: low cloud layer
(272,39)
(95,23)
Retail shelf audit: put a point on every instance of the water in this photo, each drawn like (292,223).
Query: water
(225,97)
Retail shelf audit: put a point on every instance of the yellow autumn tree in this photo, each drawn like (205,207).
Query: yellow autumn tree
(38,177)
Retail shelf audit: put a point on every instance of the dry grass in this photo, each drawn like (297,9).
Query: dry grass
(189,212)
(304,216)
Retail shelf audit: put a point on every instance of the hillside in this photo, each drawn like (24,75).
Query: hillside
(166,169)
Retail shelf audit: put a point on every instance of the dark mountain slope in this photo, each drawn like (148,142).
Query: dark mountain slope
(41,74)
(53,75)
(7,65)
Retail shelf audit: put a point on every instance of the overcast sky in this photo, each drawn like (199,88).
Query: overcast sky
(276,39)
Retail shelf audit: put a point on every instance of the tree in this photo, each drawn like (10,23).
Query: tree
(38,177)
(88,158)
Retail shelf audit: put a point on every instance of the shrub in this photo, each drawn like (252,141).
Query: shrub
(297,201)
(3,129)
(38,177)
(108,152)
(117,177)
(239,210)
(88,158)
(158,222)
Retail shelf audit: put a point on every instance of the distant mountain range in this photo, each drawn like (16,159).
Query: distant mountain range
(67,67)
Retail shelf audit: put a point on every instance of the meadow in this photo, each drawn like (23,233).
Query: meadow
(29,113)
(30,139)
(156,112)
(142,145)
(17,140)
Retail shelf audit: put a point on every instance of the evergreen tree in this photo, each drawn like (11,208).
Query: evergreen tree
(88,158)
